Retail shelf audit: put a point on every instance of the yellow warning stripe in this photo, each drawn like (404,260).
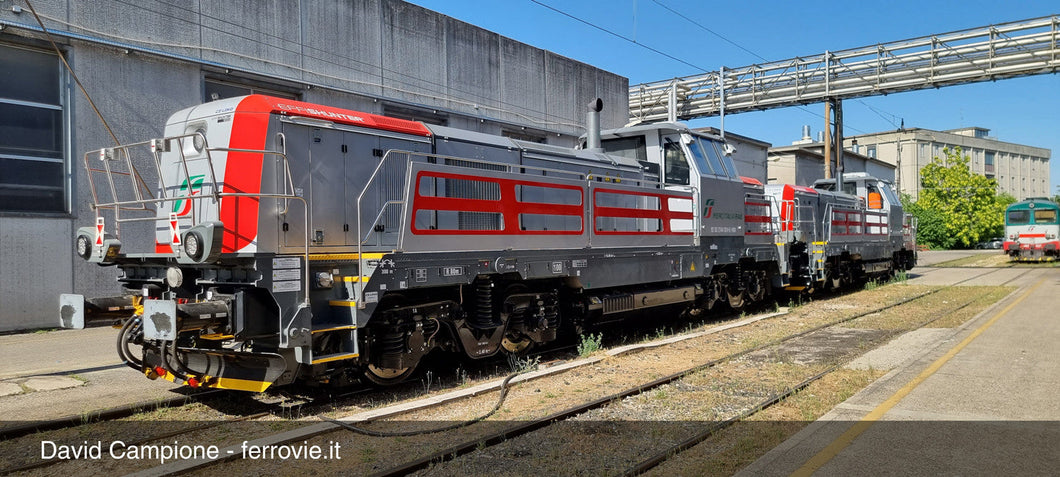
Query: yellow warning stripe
(217,336)
(227,383)
(355,279)
(338,357)
(346,303)
(344,256)
(336,328)
(843,441)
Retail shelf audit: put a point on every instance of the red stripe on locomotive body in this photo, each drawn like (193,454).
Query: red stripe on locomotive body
(508,206)
(1031,236)
(242,174)
(787,210)
(239,215)
(267,104)
(663,213)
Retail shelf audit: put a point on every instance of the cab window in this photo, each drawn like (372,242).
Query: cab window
(713,158)
(701,160)
(1044,216)
(730,166)
(1019,217)
(675,164)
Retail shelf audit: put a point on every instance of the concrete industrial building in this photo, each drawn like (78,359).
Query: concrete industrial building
(802,163)
(1020,170)
(142,61)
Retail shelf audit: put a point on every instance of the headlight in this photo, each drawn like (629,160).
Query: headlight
(325,279)
(193,245)
(199,140)
(83,246)
(202,243)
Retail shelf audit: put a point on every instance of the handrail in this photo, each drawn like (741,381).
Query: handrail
(158,147)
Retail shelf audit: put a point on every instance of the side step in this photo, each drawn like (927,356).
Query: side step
(327,358)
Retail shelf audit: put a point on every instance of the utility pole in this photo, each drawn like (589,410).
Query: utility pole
(828,139)
(898,144)
(833,138)
(837,110)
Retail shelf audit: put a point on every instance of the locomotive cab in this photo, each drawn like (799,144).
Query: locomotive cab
(687,160)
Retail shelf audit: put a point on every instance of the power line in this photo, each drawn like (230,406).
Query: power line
(756,55)
(617,35)
(708,30)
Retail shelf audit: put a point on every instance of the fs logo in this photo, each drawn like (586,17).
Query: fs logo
(189,188)
(708,208)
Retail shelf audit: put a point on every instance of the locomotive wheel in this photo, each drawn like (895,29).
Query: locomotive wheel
(516,347)
(387,376)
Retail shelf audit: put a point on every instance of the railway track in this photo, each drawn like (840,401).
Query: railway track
(480,443)
(508,433)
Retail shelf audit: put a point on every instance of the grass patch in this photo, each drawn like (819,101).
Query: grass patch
(590,344)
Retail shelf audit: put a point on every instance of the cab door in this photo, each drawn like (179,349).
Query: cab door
(721,212)
(315,158)
(680,174)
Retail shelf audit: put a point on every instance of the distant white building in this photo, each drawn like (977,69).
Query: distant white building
(1020,170)
(802,163)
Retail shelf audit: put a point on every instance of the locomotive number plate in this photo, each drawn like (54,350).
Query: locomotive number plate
(452,271)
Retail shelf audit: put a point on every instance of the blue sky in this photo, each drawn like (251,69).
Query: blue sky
(1022,110)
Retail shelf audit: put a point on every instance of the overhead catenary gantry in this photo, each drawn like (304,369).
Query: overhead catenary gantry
(1006,50)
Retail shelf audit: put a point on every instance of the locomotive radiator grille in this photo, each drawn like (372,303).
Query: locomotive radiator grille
(615,304)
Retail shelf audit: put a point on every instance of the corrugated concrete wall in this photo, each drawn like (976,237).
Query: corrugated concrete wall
(359,54)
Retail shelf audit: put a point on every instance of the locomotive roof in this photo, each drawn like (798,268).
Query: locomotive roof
(528,147)
(581,154)
(850,177)
(261,104)
(663,126)
(1034,203)
(447,133)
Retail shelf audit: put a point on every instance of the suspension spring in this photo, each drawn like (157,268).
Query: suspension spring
(483,317)
(392,342)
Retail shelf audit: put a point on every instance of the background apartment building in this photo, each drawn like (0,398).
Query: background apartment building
(1019,169)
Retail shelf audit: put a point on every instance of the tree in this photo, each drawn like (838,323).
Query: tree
(956,207)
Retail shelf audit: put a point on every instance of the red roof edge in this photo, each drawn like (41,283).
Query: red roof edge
(257,103)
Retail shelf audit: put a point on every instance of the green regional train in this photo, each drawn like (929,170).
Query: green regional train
(1032,230)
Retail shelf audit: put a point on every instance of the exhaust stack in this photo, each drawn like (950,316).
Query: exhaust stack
(592,142)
